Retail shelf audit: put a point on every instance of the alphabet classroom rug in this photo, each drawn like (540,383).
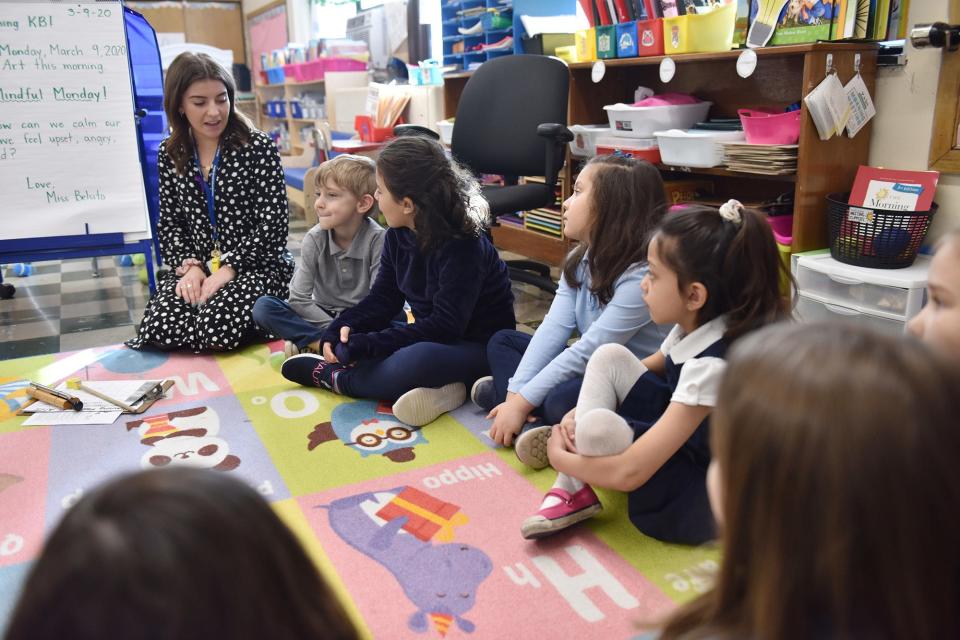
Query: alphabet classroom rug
(418,530)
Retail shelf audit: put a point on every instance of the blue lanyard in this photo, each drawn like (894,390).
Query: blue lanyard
(210,193)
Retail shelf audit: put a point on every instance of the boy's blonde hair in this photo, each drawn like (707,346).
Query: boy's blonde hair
(356,174)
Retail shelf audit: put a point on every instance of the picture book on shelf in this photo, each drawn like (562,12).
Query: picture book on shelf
(894,189)
(799,20)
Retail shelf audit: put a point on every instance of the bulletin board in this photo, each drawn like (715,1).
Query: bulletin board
(69,157)
(267,29)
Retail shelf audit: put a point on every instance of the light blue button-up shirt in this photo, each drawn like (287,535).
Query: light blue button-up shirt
(624,320)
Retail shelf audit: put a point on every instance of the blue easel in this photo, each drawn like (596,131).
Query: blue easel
(146,79)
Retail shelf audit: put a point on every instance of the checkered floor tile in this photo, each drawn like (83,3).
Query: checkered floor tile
(66,305)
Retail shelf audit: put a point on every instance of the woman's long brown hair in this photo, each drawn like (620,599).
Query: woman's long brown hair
(627,202)
(838,451)
(186,69)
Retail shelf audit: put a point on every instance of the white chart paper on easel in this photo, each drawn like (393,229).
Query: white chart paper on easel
(69,160)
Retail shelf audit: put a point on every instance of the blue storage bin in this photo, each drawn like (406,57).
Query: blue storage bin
(296,110)
(627,40)
(275,75)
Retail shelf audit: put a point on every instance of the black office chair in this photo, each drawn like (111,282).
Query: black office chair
(511,121)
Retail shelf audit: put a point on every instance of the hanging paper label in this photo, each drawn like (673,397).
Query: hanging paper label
(861,105)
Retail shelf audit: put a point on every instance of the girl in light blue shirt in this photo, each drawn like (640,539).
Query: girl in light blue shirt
(615,203)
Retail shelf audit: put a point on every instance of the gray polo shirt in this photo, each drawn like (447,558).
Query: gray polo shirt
(329,279)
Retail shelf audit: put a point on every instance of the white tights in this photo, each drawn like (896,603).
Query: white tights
(611,372)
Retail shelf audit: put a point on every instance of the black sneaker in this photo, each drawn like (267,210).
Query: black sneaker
(483,394)
(310,370)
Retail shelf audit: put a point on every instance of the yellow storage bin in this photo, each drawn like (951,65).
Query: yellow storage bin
(695,33)
(567,54)
(585,41)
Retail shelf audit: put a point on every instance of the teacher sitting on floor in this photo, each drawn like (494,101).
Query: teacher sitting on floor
(223,216)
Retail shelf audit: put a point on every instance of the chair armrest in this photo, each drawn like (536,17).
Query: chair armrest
(557,136)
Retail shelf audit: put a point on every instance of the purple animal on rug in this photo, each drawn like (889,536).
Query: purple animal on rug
(441,580)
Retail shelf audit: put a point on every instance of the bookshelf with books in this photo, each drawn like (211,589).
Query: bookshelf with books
(783,76)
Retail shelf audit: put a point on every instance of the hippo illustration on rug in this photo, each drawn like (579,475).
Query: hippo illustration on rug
(397,528)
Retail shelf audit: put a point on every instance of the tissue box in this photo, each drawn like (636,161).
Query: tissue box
(627,40)
(606,42)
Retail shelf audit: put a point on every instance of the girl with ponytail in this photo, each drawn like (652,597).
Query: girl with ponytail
(641,426)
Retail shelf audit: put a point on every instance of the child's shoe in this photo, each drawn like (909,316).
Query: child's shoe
(423,405)
(531,447)
(311,370)
(570,510)
(483,394)
(291,349)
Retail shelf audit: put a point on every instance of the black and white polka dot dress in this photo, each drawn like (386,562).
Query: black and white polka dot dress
(251,208)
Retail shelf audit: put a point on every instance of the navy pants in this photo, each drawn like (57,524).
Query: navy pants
(424,364)
(275,316)
(672,505)
(504,351)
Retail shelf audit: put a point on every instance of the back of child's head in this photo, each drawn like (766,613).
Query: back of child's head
(627,201)
(356,174)
(172,554)
(839,490)
(732,252)
(418,168)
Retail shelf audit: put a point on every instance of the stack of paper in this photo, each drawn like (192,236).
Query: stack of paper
(766,159)
(544,220)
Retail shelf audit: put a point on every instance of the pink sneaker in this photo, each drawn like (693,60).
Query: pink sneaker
(569,511)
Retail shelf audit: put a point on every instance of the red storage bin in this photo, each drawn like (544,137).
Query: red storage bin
(650,37)
(369,133)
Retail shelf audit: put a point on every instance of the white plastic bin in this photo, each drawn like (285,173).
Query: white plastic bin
(584,143)
(811,309)
(895,293)
(642,122)
(695,148)
(446,131)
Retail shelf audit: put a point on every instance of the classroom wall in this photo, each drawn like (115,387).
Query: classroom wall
(905,99)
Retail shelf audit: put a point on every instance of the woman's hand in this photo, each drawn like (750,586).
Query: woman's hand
(190,284)
(328,354)
(215,282)
(508,418)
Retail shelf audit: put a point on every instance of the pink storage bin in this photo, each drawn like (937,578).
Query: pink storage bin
(293,72)
(770,128)
(344,64)
(782,229)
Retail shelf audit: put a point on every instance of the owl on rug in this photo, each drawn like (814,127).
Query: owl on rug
(369,428)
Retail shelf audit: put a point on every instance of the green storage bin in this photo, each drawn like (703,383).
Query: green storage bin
(606,42)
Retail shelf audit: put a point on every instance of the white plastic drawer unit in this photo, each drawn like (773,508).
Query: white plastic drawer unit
(897,294)
(813,310)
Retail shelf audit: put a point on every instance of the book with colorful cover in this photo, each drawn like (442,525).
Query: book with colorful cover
(801,21)
(894,189)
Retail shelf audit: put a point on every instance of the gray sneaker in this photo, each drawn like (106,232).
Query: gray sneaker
(483,394)
(531,447)
(423,405)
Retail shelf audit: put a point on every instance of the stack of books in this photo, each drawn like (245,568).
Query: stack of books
(765,159)
(547,221)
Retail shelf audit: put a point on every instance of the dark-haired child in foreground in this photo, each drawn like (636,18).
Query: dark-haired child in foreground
(173,554)
(437,259)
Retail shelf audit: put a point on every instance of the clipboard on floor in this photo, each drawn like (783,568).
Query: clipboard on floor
(140,404)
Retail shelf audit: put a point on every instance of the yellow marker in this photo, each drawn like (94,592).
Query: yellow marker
(77,383)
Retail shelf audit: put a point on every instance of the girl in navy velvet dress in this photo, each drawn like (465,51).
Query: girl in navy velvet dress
(437,259)
(641,426)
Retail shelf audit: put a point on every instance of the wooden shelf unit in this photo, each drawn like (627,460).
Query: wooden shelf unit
(286,91)
(784,75)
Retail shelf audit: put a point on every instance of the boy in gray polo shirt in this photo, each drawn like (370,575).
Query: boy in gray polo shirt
(339,257)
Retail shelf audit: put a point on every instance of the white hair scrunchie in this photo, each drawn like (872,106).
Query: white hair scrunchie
(730,210)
